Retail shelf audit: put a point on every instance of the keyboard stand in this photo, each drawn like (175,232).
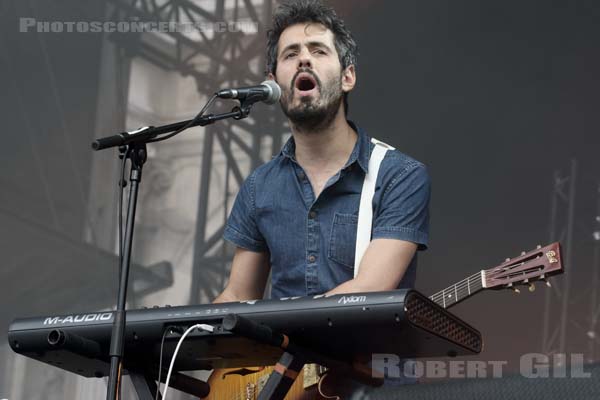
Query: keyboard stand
(145,384)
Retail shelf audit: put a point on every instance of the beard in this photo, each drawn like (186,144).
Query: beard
(313,113)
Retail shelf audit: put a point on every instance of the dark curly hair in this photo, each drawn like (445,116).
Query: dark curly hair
(311,11)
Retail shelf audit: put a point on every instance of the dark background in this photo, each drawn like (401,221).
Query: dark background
(493,97)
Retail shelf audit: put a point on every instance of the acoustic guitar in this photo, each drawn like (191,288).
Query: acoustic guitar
(528,267)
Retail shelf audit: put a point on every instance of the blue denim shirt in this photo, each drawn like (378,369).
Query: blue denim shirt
(311,240)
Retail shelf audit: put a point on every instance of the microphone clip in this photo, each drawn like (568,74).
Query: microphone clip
(243,110)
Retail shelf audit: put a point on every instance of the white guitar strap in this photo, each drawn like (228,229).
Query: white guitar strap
(365,211)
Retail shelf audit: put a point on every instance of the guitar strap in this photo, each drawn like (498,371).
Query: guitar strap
(365,211)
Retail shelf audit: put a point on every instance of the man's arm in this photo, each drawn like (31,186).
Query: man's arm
(382,267)
(400,227)
(248,277)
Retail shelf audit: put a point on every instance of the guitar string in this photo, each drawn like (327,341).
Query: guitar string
(459,285)
(475,276)
(463,288)
(459,294)
(477,279)
(460,289)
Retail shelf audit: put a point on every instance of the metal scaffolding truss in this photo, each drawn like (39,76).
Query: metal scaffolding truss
(561,229)
(562,225)
(210,58)
(592,333)
(214,60)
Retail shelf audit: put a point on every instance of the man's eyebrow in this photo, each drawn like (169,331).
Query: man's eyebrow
(293,46)
(318,44)
(296,46)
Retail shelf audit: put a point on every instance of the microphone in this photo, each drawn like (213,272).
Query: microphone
(268,91)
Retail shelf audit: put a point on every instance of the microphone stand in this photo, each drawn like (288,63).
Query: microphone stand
(133,146)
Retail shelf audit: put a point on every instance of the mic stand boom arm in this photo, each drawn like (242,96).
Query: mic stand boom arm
(149,133)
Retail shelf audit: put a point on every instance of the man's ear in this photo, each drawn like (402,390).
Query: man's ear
(349,78)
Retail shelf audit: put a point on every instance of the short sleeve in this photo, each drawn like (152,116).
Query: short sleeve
(403,212)
(242,229)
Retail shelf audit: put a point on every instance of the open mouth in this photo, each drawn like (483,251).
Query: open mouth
(305,83)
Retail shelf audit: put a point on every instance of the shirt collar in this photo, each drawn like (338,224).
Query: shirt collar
(361,152)
(289,149)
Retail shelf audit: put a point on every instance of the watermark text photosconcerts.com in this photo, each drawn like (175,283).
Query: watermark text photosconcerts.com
(34,25)
(531,365)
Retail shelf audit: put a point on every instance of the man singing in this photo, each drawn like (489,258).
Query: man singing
(296,215)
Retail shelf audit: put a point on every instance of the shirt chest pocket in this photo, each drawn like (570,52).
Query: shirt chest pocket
(342,241)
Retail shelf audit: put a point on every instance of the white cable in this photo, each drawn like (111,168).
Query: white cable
(205,327)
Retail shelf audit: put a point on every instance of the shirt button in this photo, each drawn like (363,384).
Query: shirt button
(312,258)
(301,175)
(312,215)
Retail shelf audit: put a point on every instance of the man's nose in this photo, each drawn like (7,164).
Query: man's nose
(304,59)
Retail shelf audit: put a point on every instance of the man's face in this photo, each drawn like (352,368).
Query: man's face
(310,75)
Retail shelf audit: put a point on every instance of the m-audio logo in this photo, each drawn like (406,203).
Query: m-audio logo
(71,319)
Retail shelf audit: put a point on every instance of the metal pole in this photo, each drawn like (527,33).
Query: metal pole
(568,258)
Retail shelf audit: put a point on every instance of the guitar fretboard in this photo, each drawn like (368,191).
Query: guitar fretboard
(459,291)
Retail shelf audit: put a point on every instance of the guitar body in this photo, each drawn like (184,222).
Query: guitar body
(246,384)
